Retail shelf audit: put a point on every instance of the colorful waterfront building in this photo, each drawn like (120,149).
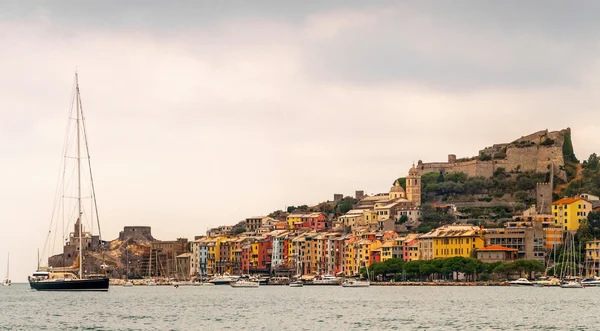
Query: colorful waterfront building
(294,218)
(264,254)
(386,250)
(410,248)
(592,258)
(569,213)
(450,241)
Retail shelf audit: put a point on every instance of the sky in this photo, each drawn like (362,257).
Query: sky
(202,113)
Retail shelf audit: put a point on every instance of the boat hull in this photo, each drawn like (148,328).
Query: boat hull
(71,285)
(571,285)
(356,284)
(323,283)
(245,285)
(220,282)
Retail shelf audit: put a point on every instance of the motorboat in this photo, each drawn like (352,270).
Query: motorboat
(151,282)
(520,282)
(244,283)
(297,283)
(128,284)
(279,281)
(356,283)
(571,284)
(324,280)
(593,281)
(224,279)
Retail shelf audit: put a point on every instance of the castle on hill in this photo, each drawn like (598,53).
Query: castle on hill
(538,152)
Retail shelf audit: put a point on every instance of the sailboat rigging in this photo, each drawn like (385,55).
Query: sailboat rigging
(49,279)
(357,282)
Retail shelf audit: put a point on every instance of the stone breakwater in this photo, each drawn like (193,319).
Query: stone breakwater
(439,284)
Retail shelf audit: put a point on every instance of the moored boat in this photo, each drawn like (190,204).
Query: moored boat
(65,281)
(573,283)
(53,280)
(297,283)
(324,280)
(224,279)
(356,283)
(520,282)
(593,281)
(245,283)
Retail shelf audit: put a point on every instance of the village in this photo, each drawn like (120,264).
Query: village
(341,237)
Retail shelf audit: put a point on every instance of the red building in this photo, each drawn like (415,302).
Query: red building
(265,247)
(316,221)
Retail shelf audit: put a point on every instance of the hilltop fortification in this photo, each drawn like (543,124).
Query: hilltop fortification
(535,152)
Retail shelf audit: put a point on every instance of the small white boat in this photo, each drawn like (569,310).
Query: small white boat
(223,279)
(571,284)
(520,282)
(297,284)
(128,284)
(208,284)
(594,281)
(356,283)
(324,280)
(151,283)
(244,283)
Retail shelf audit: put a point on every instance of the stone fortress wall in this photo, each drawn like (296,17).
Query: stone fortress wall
(535,152)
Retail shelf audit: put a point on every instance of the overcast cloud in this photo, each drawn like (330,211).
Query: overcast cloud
(203,114)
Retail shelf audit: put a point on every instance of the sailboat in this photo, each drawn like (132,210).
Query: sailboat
(570,277)
(151,281)
(357,282)
(128,283)
(52,280)
(7,281)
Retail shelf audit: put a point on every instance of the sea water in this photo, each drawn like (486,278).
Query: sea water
(306,308)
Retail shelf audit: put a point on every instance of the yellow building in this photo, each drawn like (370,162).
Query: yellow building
(369,216)
(450,241)
(253,261)
(352,218)
(350,256)
(569,213)
(592,258)
(293,218)
(387,250)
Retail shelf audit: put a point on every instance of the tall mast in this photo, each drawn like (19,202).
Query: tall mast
(79,179)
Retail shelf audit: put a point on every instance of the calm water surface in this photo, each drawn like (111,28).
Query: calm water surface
(307,308)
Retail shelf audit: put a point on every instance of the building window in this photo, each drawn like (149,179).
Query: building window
(565,213)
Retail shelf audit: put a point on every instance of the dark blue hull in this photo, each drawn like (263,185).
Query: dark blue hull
(71,285)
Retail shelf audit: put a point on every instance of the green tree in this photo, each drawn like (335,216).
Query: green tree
(403,219)
(568,153)
(237,231)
